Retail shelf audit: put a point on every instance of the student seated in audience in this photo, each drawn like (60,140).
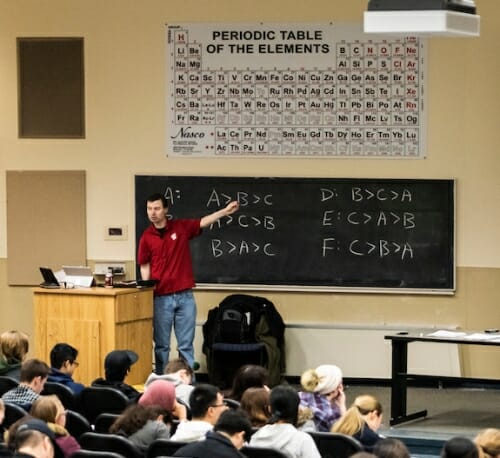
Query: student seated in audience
(50,409)
(31,437)
(281,432)
(255,403)
(117,366)
(391,448)
(162,393)
(324,395)
(248,376)
(32,379)
(207,404)
(362,421)
(230,433)
(142,425)
(63,364)
(151,418)
(459,447)
(180,373)
(14,346)
(488,442)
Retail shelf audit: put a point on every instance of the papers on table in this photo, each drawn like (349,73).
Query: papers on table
(494,337)
(444,333)
(482,336)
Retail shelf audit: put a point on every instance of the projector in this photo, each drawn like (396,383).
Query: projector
(452,18)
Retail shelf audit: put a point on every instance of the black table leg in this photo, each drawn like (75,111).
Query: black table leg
(399,384)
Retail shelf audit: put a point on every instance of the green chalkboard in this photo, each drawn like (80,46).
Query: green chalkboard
(316,232)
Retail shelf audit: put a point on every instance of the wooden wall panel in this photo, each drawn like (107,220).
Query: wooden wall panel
(46,223)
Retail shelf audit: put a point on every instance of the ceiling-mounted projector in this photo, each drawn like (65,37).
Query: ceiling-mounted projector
(452,18)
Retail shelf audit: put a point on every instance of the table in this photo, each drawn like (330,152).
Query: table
(96,321)
(399,372)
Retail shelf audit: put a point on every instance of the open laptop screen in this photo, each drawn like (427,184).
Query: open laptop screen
(49,279)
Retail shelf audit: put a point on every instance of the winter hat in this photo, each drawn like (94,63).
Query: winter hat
(34,424)
(117,363)
(324,379)
(160,393)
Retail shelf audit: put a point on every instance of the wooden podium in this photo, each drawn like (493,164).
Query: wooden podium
(96,321)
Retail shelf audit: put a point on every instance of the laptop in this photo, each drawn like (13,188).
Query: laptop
(78,276)
(49,279)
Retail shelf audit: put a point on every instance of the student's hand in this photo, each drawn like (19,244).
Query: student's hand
(339,400)
(232,207)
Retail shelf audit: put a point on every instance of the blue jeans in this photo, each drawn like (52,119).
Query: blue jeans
(177,309)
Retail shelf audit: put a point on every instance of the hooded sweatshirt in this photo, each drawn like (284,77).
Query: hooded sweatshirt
(287,439)
(182,390)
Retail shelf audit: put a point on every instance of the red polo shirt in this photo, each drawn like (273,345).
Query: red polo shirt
(169,255)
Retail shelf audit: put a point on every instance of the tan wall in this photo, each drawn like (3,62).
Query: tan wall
(125,113)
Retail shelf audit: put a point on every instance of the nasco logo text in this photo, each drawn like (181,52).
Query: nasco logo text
(186,132)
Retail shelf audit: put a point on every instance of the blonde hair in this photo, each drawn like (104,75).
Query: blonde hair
(47,408)
(14,345)
(488,443)
(353,419)
(310,380)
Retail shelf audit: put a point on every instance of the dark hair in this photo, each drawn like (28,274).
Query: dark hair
(62,352)
(391,448)
(134,417)
(233,421)
(201,398)
(178,364)
(33,368)
(284,402)
(157,196)
(459,447)
(248,376)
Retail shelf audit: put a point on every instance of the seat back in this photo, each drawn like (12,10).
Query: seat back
(104,421)
(95,400)
(13,412)
(261,452)
(94,454)
(232,403)
(336,445)
(77,424)
(66,396)
(6,384)
(163,447)
(110,443)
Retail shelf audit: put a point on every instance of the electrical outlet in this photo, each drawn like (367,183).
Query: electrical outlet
(116,233)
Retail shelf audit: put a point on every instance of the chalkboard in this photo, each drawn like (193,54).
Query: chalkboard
(316,233)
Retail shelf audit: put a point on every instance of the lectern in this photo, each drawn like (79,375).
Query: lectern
(96,321)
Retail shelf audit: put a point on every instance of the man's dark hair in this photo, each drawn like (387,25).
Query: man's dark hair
(158,196)
(33,368)
(284,401)
(234,421)
(62,352)
(459,447)
(201,398)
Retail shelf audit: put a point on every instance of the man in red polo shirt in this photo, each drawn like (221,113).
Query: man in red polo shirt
(164,255)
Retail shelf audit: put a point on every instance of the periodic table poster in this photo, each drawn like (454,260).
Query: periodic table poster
(293,90)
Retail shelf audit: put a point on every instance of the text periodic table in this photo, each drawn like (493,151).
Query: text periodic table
(293,90)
